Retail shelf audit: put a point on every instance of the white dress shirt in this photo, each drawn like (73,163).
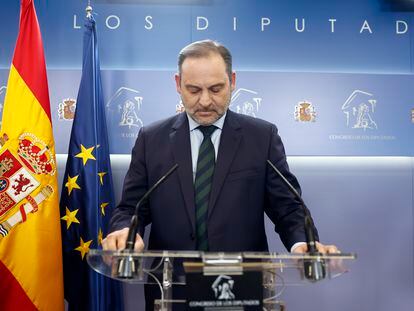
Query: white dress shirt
(196,138)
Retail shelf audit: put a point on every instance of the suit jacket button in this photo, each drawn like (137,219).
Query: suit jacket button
(192,236)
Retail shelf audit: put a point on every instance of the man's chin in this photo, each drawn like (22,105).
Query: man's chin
(206,118)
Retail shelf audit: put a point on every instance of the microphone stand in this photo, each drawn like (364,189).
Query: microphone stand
(314,269)
(127,267)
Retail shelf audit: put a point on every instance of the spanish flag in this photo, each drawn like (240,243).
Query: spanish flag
(30,242)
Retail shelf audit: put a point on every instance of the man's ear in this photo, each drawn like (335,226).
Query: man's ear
(233,81)
(178,82)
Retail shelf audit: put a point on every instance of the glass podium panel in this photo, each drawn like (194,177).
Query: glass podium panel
(214,274)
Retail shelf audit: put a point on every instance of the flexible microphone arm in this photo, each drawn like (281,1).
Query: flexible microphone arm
(314,269)
(309,232)
(133,227)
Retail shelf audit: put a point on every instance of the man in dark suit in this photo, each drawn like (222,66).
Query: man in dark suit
(217,198)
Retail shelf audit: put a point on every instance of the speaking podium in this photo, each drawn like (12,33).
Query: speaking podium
(219,281)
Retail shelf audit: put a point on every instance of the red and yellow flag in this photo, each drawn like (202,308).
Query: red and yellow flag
(30,240)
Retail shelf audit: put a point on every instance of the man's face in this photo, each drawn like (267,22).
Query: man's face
(205,88)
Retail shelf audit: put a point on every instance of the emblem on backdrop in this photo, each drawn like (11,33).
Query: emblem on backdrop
(412,115)
(2,96)
(127,103)
(67,109)
(305,112)
(179,107)
(359,110)
(246,102)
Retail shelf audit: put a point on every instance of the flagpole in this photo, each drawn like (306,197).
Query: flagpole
(88,10)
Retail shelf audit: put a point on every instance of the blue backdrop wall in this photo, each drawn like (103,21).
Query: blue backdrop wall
(336,77)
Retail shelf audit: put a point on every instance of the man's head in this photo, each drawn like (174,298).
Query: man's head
(205,80)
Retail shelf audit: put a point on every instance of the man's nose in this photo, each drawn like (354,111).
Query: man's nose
(205,99)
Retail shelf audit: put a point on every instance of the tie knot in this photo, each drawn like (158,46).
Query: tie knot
(207,130)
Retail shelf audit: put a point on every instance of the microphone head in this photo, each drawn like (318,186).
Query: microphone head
(314,269)
(126,268)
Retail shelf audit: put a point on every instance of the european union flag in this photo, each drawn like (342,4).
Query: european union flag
(87,196)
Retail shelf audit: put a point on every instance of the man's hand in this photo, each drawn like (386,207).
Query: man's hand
(324,249)
(117,240)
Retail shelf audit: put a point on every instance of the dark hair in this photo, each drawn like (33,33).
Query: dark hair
(204,48)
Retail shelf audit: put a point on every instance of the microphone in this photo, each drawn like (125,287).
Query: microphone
(314,269)
(133,227)
(127,267)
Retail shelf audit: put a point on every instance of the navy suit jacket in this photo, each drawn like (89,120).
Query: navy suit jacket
(244,187)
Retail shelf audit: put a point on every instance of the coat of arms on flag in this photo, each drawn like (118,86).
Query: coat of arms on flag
(18,180)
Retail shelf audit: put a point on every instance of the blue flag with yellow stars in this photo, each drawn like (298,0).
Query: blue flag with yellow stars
(87,196)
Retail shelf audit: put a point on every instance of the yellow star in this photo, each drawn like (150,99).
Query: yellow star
(103,206)
(83,248)
(70,217)
(85,154)
(100,236)
(101,175)
(71,183)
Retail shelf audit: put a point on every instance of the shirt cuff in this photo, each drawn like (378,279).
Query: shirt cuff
(296,245)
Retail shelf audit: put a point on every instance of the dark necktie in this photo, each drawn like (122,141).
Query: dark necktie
(202,185)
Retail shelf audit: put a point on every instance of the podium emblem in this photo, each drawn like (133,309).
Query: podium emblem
(222,287)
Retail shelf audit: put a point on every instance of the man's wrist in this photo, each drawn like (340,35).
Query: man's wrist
(297,244)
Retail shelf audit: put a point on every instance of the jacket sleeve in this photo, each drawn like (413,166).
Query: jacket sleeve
(281,206)
(135,185)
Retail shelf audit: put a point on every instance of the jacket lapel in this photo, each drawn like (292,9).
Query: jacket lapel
(229,142)
(180,146)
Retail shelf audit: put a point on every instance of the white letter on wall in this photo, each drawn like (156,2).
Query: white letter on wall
(297,27)
(365,26)
(398,29)
(149,24)
(202,18)
(117,22)
(332,20)
(265,22)
(75,22)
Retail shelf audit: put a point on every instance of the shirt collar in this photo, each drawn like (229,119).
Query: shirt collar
(219,123)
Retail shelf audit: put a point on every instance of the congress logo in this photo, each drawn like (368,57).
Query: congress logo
(179,107)
(245,102)
(2,97)
(222,287)
(359,110)
(67,109)
(305,112)
(127,103)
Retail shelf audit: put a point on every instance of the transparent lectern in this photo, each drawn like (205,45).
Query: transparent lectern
(219,281)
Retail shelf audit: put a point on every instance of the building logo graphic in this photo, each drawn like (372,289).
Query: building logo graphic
(245,102)
(127,103)
(67,109)
(222,287)
(359,110)
(179,107)
(305,112)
